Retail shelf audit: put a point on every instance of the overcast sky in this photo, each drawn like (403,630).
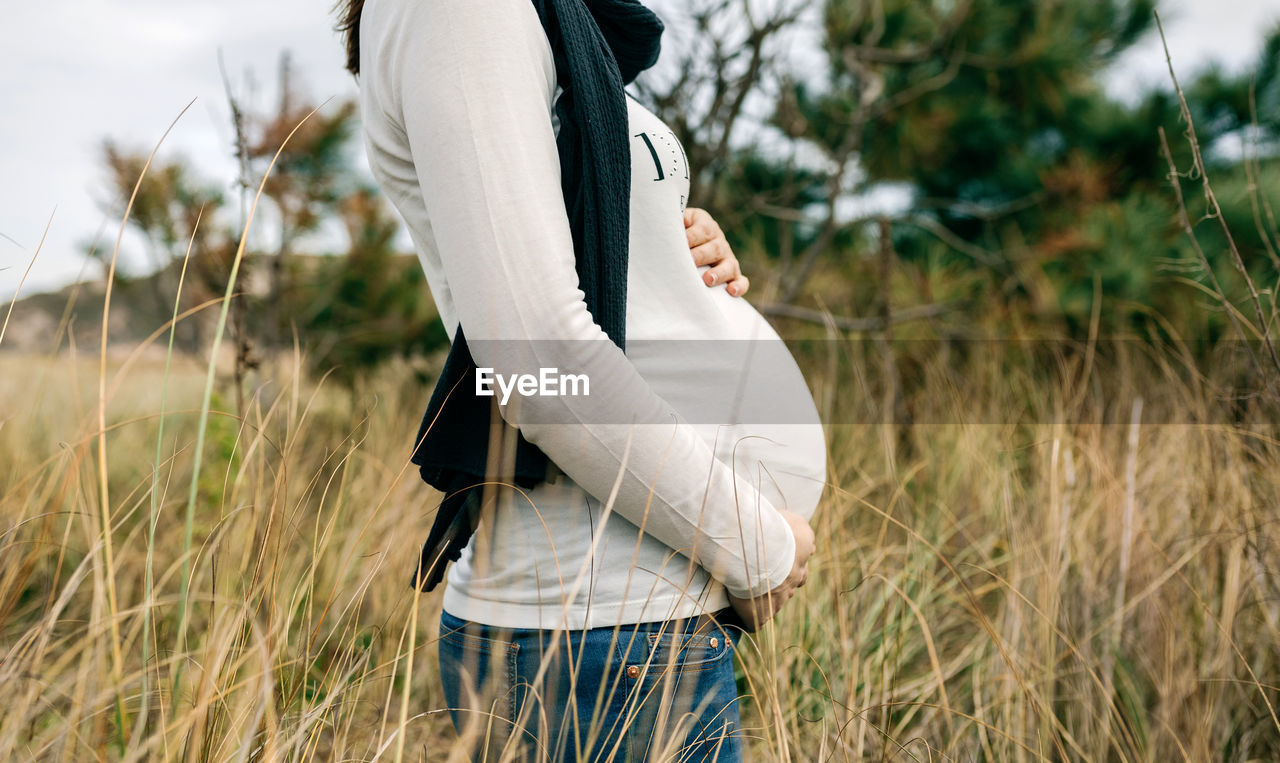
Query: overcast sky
(75,71)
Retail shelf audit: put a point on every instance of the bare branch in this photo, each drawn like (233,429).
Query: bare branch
(877,323)
(1214,210)
(944,234)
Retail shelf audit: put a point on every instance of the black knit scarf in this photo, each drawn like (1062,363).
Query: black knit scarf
(599,46)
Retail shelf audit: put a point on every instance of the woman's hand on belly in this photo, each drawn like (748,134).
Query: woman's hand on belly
(709,247)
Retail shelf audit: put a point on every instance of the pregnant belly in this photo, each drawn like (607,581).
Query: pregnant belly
(734,379)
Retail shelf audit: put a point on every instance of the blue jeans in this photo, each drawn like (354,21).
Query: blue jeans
(660,690)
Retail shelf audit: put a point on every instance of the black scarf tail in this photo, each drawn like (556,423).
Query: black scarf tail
(599,46)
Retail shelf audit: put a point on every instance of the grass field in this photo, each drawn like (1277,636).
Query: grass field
(1020,574)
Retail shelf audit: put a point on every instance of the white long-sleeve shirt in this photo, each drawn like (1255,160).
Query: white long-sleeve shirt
(457,106)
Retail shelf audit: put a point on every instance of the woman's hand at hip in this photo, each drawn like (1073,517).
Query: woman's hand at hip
(757,611)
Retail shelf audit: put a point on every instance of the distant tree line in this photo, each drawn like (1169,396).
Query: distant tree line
(1026,195)
(351,311)
(1032,192)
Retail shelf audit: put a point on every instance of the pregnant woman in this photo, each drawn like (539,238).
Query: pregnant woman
(593,609)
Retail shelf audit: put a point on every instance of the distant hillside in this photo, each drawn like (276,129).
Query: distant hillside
(139,306)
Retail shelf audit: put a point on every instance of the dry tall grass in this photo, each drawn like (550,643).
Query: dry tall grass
(1020,575)
(1058,555)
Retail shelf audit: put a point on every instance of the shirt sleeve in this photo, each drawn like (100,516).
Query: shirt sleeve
(475,82)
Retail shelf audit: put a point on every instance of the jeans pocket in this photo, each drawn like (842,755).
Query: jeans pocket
(478,674)
(689,695)
(687,652)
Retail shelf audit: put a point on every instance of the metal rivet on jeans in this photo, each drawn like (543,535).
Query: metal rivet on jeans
(633,671)
(715,643)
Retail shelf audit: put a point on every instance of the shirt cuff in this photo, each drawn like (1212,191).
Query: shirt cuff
(777,566)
